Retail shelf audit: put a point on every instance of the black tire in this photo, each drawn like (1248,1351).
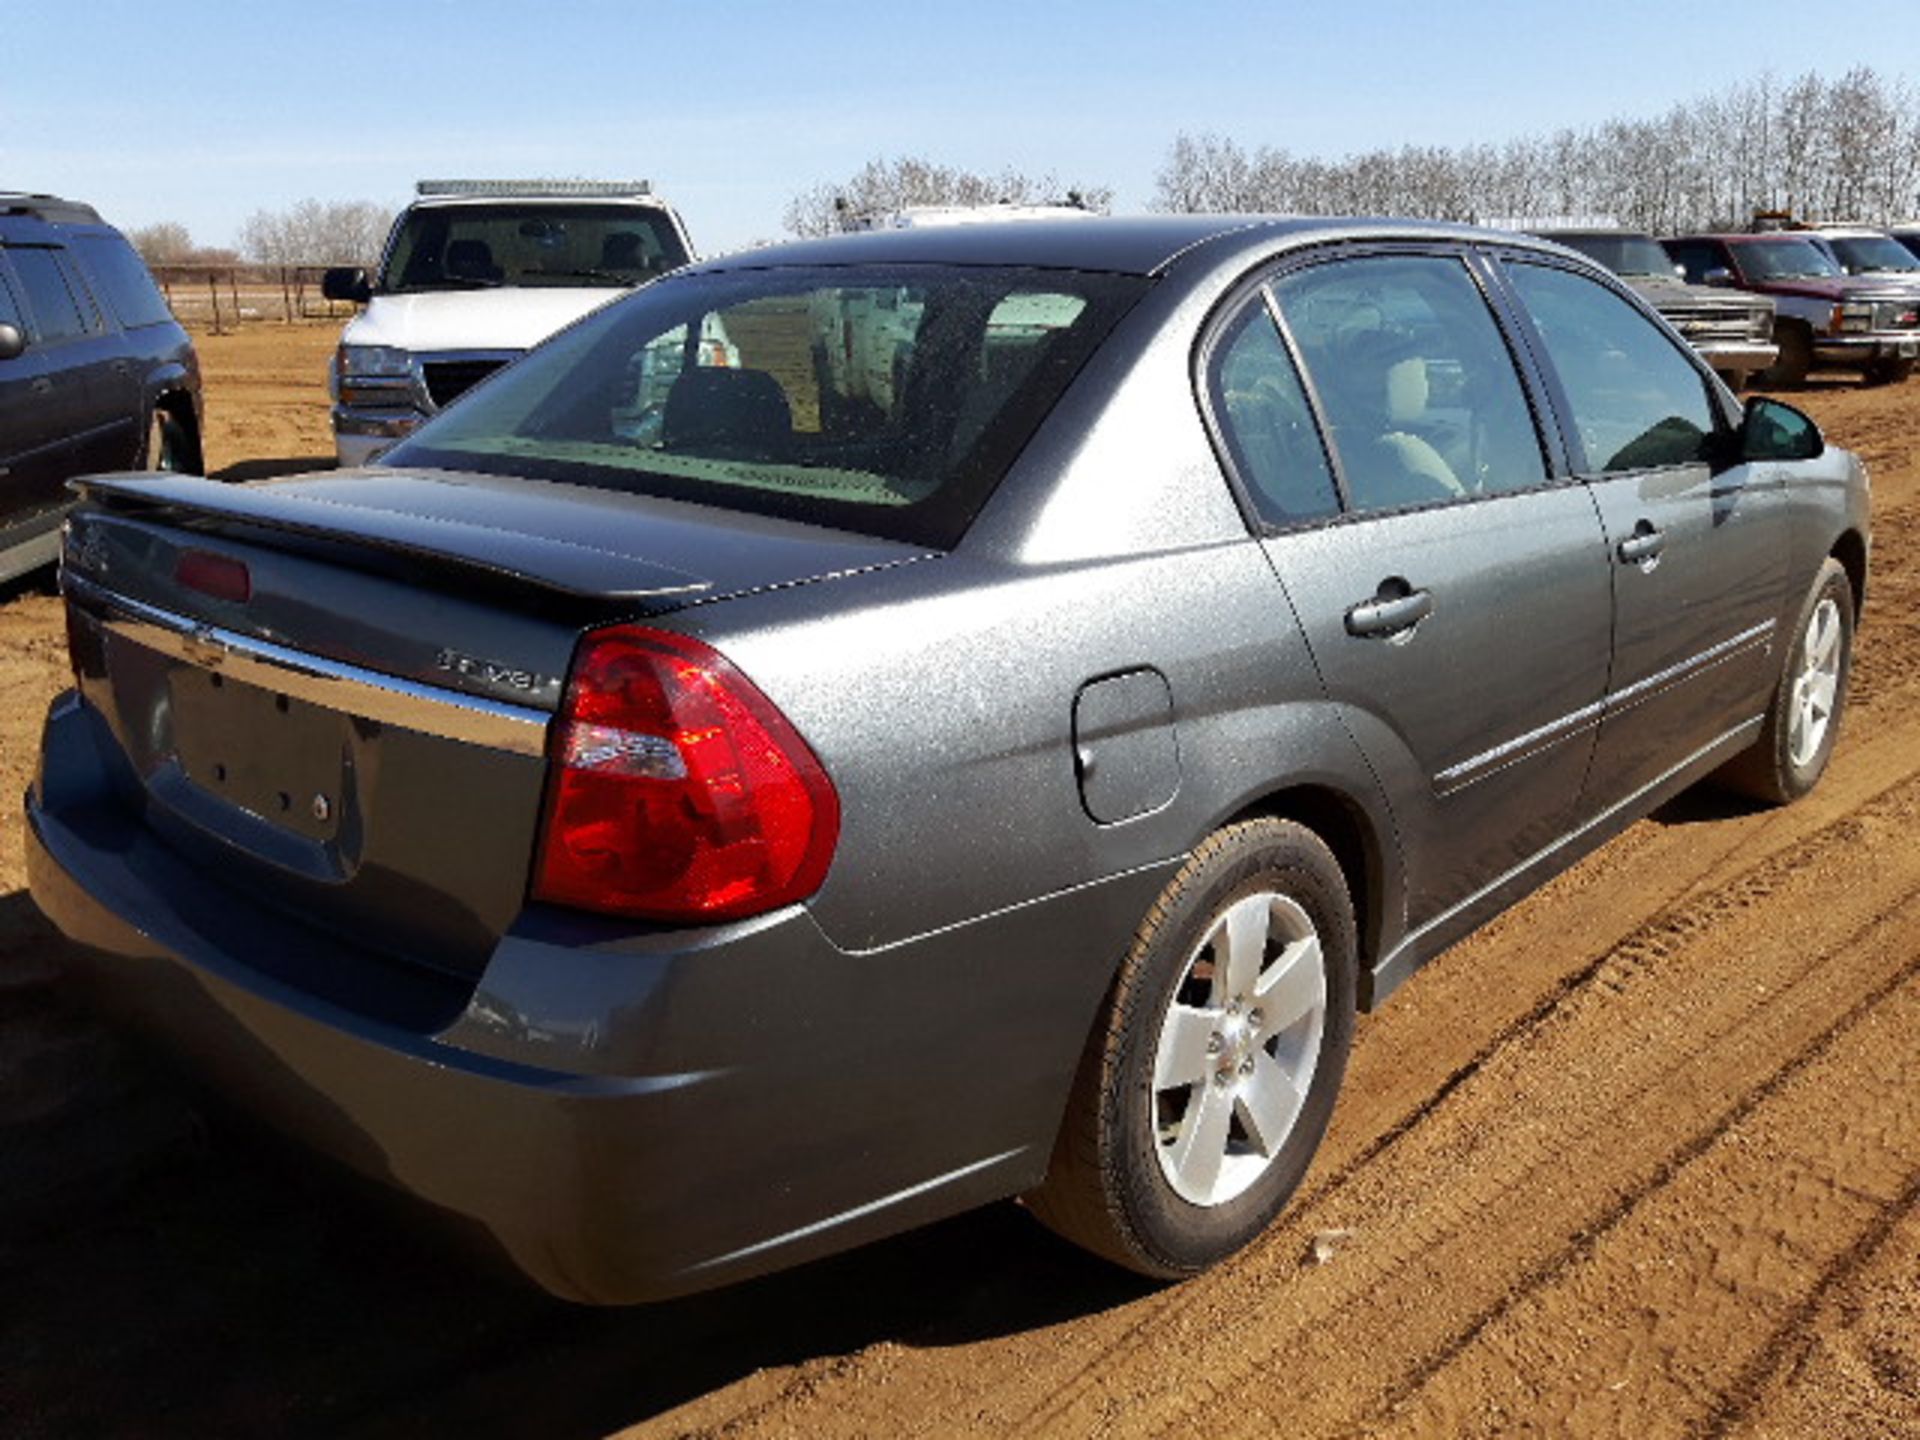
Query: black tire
(1795,359)
(1888,372)
(1780,766)
(1108,1188)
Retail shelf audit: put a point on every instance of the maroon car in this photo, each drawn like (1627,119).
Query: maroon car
(1824,318)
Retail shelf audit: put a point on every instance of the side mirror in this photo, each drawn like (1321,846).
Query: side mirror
(346,282)
(1717,276)
(1773,430)
(13,342)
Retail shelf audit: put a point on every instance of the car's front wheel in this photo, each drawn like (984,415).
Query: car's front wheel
(1803,720)
(1209,1081)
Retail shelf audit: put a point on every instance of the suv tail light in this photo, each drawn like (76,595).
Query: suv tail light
(678,791)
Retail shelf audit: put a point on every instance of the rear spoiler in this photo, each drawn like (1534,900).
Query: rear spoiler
(570,568)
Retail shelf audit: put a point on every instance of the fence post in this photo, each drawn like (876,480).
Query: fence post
(213,291)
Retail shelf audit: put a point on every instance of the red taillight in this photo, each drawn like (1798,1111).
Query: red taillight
(215,575)
(678,792)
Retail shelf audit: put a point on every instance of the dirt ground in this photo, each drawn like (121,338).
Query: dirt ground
(1642,1159)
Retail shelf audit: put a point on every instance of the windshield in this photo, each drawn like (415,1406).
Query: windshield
(1859,254)
(471,246)
(1622,254)
(884,400)
(1784,260)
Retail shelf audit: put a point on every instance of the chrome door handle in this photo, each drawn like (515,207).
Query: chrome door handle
(1388,614)
(1643,545)
(41,385)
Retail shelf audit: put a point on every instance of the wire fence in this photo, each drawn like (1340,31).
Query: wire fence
(222,298)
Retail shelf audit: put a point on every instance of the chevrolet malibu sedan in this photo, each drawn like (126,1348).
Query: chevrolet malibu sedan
(683,838)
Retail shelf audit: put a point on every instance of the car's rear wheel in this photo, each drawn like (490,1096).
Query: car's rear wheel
(1803,721)
(1209,1081)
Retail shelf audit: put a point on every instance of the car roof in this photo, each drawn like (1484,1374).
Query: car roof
(1128,245)
(50,208)
(1748,237)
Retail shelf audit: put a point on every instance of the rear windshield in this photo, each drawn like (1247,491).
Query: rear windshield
(121,276)
(471,246)
(886,401)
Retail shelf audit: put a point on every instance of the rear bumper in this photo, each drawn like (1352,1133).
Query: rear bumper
(627,1115)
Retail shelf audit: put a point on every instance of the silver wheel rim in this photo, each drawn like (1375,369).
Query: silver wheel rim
(1237,1048)
(1816,689)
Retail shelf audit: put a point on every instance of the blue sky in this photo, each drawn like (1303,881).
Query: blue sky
(206,110)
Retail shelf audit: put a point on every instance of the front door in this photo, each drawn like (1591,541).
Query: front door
(1698,556)
(1458,607)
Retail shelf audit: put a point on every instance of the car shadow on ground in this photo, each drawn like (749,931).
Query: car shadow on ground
(229,1285)
(268,469)
(1702,804)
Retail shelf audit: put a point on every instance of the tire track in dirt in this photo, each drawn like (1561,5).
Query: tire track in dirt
(1584,1243)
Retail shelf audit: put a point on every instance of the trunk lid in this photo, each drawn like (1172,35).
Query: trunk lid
(356,735)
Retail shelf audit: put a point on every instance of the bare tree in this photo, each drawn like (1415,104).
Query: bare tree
(315,232)
(166,242)
(1842,149)
(894,184)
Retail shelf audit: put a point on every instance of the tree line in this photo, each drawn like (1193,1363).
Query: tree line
(1847,148)
(1819,149)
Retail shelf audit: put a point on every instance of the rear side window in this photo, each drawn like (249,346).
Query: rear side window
(1637,402)
(57,312)
(1414,379)
(1696,258)
(888,401)
(122,279)
(1263,415)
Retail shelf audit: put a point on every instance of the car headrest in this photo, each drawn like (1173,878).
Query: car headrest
(727,411)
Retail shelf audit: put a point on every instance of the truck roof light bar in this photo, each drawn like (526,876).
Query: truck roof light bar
(542,188)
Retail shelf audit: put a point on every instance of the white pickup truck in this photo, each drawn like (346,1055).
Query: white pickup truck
(476,272)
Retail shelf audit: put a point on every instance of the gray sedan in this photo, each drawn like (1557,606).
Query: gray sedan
(685,813)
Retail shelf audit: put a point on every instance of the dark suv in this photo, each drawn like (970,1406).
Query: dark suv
(95,373)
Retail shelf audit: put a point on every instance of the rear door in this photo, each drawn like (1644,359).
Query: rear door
(1698,553)
(1455,593)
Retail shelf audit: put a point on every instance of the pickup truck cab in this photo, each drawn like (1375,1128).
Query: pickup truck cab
(1825,317)
(475,273)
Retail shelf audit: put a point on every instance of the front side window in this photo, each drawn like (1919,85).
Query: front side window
(1637,401)
(1263,416)
(883,400)
(1696,258)
(473,246)
(1414,380)
(56,313)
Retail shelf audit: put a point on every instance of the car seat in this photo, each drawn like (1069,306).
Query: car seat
(471,260)
(727,413)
